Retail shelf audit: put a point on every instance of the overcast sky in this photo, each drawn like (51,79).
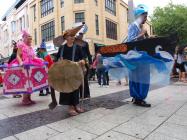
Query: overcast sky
(152,4)
(5,4)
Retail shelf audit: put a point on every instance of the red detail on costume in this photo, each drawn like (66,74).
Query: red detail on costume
(49,60)
(1,79)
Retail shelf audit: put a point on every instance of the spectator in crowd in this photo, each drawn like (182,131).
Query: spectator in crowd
(180,64)
(88,59)
(93,70)
(42,53)
(100,70)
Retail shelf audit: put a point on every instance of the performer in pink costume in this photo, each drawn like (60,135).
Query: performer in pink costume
(26,56)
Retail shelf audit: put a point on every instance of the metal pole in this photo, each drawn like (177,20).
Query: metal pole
(131,11)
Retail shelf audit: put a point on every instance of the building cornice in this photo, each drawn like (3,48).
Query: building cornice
(19,3)
(124,3)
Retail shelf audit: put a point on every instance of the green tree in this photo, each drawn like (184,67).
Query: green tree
(171,19)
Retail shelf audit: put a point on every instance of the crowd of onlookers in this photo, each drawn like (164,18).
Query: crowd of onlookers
(98,71)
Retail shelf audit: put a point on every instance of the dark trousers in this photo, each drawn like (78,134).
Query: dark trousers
(101,76)
(107,78)
(53,96)
(86,85)
(92,74)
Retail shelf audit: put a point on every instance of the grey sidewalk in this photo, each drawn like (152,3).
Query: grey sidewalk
(165,120)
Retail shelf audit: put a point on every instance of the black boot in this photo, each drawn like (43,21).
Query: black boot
(141,103)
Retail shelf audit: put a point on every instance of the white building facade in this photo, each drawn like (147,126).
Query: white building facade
(14,21)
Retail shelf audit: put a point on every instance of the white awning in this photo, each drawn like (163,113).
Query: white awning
(50,48)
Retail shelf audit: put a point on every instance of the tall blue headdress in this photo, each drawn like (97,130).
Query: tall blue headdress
(43,44)
(140,9)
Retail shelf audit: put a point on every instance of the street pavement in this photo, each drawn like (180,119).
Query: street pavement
(109,115)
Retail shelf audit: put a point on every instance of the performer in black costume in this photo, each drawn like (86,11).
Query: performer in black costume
(88,58)
(71,51)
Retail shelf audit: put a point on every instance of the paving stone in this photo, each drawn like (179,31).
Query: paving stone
(182,112)
(159,136)
(40,133)
(14,112)
(111,135)
(173,130)
(91,115)
(74,134)
(97,127)
(10,138)
(178,119)
(130,109)
(150,119)
(135,129)
(117,118)
(64,125)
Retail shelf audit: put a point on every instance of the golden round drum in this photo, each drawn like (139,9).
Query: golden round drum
(65,76)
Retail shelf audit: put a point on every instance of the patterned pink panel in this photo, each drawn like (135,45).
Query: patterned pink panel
(19,80)
(15,81)
(38,77)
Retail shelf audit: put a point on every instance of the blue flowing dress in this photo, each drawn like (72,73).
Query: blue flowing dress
(138,90)
(142,69)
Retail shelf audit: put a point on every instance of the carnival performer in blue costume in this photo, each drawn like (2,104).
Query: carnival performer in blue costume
(141,68)
(136,32)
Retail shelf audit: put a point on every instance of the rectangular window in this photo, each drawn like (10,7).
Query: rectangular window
(34,12)
(35,36)
(17,25)
(27,20)
(47,7)
(6,35)
(62,3)
(79,17)
(97,24)
(48,31)
(21,24)
(128,16)
(13,26)
(110,6)
(62,23)
(111,30)
(78,1)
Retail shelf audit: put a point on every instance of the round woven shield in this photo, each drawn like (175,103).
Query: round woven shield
(65,76)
